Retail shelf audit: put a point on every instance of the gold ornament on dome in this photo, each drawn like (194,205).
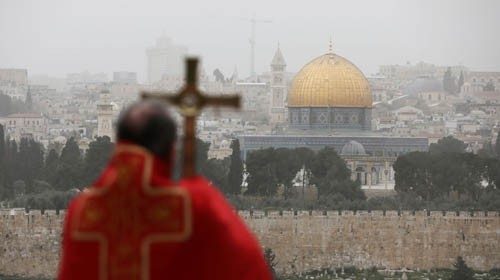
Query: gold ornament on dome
(330,81)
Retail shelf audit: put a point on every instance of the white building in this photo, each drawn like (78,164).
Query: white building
(165,59)
(408,114)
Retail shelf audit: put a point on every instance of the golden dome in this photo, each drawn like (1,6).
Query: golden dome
(330,81)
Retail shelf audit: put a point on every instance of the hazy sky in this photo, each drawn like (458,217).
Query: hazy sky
(60,36)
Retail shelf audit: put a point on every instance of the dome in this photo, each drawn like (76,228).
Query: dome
(330,81)
(424,84)
(353,148)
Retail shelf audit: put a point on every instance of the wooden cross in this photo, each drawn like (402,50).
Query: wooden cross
(191,101)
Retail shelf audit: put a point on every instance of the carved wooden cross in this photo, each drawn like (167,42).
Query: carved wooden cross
(191,101)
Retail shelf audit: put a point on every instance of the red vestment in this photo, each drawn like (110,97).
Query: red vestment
(135,223)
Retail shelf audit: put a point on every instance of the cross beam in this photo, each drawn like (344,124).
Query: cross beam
(191,102)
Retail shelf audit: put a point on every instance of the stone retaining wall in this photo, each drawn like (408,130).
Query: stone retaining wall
(302,240)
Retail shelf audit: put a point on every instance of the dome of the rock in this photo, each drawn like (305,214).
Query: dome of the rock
(330,81)
(330,92)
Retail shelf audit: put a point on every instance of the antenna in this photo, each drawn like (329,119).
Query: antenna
(253,26)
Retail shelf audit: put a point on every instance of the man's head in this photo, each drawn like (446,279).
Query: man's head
(148,124)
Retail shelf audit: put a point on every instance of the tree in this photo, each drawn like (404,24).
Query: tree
(490,86)
(449,82)
(69,169)
(327,161)
(235,175)
(447,144)
(331,185)
(29,100)
(19,188)
(216,170)
(50,167)
(202,148)
(497,146)
(270,258)
(460,81)
(413,174)
(462,271)
(30,161)
(9,106)
(5,105)
(2,159)
(487,151)
(2,144)
(96,158)
(262,168)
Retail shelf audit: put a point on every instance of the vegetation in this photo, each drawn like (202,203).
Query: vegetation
(448,173)
(270,168)
(462,271)
(10,106)
(445,178)
(35,179)
(270,258)
(449,83)
(234,178)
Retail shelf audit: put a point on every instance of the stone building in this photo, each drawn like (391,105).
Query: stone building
(329,104)
(370,170)
(105,116)
(25,125)
(480,81)
(16,76)
(14,83)
(278,89)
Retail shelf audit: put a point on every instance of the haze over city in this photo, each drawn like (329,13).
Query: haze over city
(327,140)
(59,37)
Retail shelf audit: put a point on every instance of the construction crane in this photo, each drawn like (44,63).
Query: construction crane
(253,22)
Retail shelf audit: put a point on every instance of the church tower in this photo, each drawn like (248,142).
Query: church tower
(278,89)
(105,116)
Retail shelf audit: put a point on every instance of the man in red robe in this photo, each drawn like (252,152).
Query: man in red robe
(136,223)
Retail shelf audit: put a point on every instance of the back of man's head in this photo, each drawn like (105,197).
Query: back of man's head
(148,124)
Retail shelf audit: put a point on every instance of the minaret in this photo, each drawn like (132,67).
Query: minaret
(278,88)
(105,116)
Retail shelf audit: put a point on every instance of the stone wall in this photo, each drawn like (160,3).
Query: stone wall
(29,242)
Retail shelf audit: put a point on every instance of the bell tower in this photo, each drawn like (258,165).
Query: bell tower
(278,89)
(105,116)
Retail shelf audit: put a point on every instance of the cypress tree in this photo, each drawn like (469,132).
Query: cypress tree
(29,100)
(497,146)
(460,81)
(96,158)
(69,170)
(50,167)
(449,82)
(235,169)
(2,144)
(2,169)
